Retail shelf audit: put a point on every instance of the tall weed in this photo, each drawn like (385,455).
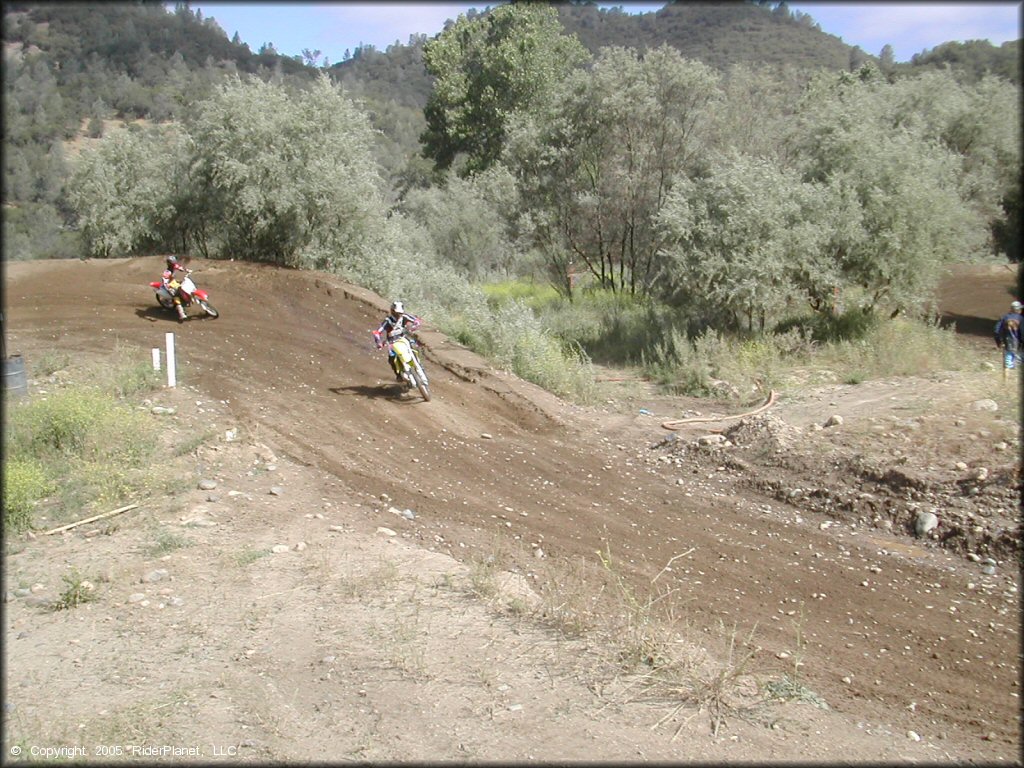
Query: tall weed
(58,426)
(520,343)
(899,347)
(712,364)
(79,443)
(25,483)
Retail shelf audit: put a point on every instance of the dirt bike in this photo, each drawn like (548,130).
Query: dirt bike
(408,362)
(188,292)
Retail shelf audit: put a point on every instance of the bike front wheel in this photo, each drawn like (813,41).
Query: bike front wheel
(420,383)
(208,308)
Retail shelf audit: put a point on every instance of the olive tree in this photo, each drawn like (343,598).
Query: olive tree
(755,112)
(487,68)
(903,185)
(979,122)
(120,190)
(595,167)
(468,221)
(285,176)
(745,241)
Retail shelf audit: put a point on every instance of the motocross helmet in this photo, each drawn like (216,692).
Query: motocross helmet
(397,308)
(1016,306)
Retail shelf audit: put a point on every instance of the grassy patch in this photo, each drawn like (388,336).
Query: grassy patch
(250,555)
(77,591)
(622,330)
(50,362)
(737,367)
(193,442)
(82,446)
(371,581)
(534,295)
(166,541)
(26,482)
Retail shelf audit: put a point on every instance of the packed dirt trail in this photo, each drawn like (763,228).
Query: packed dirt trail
(895,634)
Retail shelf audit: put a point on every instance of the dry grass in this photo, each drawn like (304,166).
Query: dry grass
(642,646)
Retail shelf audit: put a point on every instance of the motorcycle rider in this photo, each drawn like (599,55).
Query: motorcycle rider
(171,278)
(395,325)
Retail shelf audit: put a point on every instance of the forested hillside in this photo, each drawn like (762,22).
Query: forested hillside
(718,34)
(707,169)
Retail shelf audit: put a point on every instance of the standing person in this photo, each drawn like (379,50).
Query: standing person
(397,324)
(1007,335)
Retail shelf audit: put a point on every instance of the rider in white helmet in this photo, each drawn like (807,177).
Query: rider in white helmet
(398,323)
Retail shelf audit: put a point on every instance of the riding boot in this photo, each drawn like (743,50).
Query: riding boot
(182,317)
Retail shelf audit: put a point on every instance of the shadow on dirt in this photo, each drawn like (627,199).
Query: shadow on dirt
(156,314)
(153,314)
(391,391)
(969,325)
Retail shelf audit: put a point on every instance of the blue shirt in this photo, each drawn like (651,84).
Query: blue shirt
(1008,328)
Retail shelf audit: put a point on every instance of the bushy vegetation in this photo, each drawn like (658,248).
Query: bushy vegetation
(83,442)
(26,481)
(619,331)
(739,367)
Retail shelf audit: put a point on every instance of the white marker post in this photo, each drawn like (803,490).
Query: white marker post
(170,360)
(156,358)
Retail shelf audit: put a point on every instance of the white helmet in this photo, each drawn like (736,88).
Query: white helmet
(1016,306)
(396,307)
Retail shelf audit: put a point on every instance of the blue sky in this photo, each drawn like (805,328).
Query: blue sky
(334,27)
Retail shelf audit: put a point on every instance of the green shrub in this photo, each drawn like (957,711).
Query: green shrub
(852,325)
(80,422)
(25,483)
(521,344)
(109,483)
(76,592)
(133,379)
(59,424)
(79,444)
(124,436)
(128,371)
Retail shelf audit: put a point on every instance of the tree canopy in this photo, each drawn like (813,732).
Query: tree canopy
(487,69)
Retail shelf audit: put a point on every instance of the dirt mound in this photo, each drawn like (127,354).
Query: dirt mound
(781,532)
(763,433)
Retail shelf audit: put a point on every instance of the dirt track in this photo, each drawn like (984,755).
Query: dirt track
(291,357)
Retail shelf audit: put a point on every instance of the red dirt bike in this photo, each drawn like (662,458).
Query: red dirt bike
(188,292)
(408,361)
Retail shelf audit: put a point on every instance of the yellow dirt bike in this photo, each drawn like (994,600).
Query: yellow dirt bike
(407,362)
